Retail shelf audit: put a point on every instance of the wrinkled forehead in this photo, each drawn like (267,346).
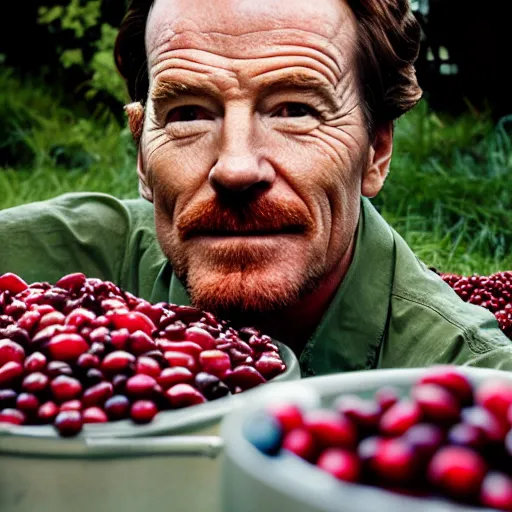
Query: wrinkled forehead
(237,28)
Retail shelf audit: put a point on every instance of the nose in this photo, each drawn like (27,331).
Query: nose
(241,164)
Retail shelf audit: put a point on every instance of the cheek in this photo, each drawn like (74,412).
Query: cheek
(177,170)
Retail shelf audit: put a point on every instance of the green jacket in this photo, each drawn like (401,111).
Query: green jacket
(390,310)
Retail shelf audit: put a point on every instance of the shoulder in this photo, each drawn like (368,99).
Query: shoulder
(428,319)
(64,209)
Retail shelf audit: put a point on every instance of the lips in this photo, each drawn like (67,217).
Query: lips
(257,219)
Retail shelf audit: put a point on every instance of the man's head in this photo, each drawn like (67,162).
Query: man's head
(264,122)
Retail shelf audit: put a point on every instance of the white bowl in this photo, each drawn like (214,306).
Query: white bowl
(171,464)
(254,482)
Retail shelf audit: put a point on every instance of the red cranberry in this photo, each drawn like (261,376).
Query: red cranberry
(464,434)
(98,335)
(10,372)
(154,312)
(175,331)
(80,317)
(140,342)
(112,304)
(452,379)
(140,386)
(496,491)
(12,283)
(27,402)
(12,416)
(117,407)
(86,361)
(117,361)
(119,383)
(119,338)
(53,318)
(246,377)
(68,423)
(55,368)
(183,395)
(7,398)
(94,415)
(148,366)
(436,404)
(72,282)
(35,362)
(65,388)
(71,405)
(143,411)
(16,309)
(93,376)
(210,386)
(201,337)
(386,397)
(394,460)
(11,351)
(35,382)
(97,394)
(288,416)
(188,347)
(457,471)
(488,423)
(29,320)
(425,439)
(47,412)
(269,366)
(133,321)
(181,359)
(399,418)
(330,429)
(300,442)
(495,396)
(177,375)
(342,464)
(215,362)
(364,413)
(44,309)
(67,347)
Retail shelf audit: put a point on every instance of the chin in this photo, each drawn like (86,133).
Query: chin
(247,292)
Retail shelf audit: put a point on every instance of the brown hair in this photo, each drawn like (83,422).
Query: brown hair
(388,45)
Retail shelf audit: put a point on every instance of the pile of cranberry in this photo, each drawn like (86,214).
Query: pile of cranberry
(85,351)
(492,292)
(447,438)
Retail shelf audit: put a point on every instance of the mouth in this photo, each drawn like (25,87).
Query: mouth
(239,233)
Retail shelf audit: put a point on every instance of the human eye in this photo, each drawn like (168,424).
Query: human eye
(188,113)
(292,109)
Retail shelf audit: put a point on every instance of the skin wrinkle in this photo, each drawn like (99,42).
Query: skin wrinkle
(248,137)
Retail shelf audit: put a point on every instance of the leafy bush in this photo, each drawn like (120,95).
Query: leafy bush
(85,47)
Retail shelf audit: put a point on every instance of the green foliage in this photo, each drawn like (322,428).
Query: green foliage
(105,77)
(76,16)
(90,47)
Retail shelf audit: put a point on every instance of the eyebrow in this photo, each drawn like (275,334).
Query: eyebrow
(304,83)
(170,89)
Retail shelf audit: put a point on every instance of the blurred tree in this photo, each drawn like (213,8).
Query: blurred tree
(464,55)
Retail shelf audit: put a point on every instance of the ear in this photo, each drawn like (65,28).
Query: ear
(379,159)
(145,188)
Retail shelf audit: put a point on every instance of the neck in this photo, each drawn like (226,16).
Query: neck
(294,326)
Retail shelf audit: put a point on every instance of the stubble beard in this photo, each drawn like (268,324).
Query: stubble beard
(248,287)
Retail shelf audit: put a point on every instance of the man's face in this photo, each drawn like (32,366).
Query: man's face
(254,146)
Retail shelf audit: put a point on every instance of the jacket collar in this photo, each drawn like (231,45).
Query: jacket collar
(350,333)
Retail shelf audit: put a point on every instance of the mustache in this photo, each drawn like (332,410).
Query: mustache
(259,216)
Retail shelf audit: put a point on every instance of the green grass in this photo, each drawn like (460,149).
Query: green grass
(449,192)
